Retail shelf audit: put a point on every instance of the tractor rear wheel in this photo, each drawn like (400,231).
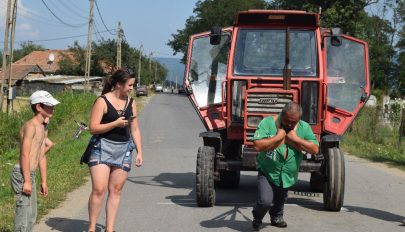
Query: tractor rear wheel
(334,186)
(228,179)
(205,191)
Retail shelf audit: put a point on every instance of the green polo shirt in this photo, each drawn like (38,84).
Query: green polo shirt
(272,163)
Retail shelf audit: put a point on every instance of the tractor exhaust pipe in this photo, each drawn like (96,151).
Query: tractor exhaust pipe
(287,67)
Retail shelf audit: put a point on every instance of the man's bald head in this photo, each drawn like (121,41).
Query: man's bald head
(291,108)
(290,115)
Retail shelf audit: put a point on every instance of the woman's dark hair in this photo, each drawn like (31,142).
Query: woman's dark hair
(119,76)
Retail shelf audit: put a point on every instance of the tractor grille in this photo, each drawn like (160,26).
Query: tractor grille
(267,103)
(249,135)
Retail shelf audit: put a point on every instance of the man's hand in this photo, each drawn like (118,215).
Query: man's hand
(292,135)
(44,189)
(27,188)
(296,142)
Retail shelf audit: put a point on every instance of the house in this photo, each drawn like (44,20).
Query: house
(22,71)
(48,60)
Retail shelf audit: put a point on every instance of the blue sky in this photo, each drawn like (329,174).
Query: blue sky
(146,22)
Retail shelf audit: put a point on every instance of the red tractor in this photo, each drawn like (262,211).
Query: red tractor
(238,75)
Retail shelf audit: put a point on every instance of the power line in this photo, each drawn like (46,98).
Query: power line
(75,6)
(72,10)
(98,34)
(24,12)
(60,38)
(98,10)
(65,23)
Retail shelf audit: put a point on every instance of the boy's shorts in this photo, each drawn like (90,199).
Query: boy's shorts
(26,206)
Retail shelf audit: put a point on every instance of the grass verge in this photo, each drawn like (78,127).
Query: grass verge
(371,138)
(64,171)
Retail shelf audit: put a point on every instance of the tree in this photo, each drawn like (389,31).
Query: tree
(73,63)
(400,71)
(103,61)
(377,32)
(338,13)
(210,13)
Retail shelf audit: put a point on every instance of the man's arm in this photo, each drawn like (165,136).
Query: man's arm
(270,143)
(296,142)
(27,134)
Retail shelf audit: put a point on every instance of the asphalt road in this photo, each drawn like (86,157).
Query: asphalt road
(160,196)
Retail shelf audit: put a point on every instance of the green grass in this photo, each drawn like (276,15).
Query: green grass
(64,171)
(373,140)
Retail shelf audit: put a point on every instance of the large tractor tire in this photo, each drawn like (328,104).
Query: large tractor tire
(205,191)
(334,187)
(228,179)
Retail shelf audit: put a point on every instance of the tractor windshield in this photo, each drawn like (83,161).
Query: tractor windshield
(262,53)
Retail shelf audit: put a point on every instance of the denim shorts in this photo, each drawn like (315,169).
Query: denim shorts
(112,153)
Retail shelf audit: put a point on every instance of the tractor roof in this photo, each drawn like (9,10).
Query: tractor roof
(277,17)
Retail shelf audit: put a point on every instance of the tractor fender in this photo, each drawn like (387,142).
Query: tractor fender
(212,139)
(329,141)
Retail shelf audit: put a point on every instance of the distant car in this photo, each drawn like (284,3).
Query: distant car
(158,88)
(141,91)
(181,90)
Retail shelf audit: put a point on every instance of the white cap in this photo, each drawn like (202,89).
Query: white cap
(43,97)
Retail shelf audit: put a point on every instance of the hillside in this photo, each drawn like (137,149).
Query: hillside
(174,67)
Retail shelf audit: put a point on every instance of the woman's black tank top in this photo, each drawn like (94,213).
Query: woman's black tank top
(120,134)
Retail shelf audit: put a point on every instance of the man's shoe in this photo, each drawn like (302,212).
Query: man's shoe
(279,222)
(257,224)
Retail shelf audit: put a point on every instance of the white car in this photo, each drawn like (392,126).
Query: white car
(158,88)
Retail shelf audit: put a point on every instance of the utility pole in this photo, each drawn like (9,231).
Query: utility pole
(176,82)
(5,54)
(89,41)
(139,64)
(155,70)
(13,20)
(119,39)
(150,61)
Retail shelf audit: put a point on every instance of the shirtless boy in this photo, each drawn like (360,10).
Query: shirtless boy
(34,145)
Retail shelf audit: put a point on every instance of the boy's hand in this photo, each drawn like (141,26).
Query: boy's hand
(44,189)
(27,188)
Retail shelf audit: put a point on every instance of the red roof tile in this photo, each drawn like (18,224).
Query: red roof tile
(41,58)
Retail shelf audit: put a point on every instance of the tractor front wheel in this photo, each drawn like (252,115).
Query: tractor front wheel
(334,186)
(205,191)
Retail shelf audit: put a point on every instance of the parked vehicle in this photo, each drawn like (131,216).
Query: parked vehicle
(181,90)
(141,90)
(158,88)
(238,75)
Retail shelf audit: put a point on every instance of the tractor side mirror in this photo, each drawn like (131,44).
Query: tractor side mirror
(215,36)
(335,39)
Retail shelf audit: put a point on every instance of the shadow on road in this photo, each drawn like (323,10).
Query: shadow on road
(228,220)
(376,213)
(66,224)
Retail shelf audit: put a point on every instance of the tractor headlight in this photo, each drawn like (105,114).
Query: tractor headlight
(253,121)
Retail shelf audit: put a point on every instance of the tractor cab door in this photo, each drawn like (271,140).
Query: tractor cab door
(204,76)
(347,82)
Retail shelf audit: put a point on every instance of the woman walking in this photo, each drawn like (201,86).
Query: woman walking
(113,120)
